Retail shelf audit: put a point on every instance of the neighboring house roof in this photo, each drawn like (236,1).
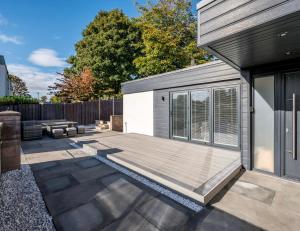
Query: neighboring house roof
(2,60)
(4,82)
(206,73)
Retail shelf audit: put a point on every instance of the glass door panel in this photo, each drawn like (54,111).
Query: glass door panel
(180,115)
(226,122)
(263,123)
(200,113)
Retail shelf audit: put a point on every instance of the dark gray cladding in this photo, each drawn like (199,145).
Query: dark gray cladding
(218,19)
(215,71)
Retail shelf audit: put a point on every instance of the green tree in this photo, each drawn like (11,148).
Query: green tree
(108,47)
(43,99)
(169,31)
(17,86)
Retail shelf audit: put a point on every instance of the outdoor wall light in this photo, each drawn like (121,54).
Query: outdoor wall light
(163,98)
(283,34)
(288,53)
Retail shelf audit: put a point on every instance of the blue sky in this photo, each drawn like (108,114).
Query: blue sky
(36,36)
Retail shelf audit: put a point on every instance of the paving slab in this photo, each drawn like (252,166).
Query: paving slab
(85,217)
(216,220)
(45,165)
(58,184)
(254,191)
(54,172)
(88,163)
(164,214)
(93,173)
(133,222)
(73,197)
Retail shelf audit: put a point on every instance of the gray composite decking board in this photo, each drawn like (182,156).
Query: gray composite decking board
(211,72)
(221,19)
(188,166)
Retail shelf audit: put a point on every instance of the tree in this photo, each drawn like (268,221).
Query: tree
(43,99)
(17,86)
(108,48)
(169,31)
(74,88)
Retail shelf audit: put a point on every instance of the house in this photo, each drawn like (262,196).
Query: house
(248,101)
(4,82)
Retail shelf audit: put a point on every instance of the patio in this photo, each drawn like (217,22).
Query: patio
(84,194)
(196,171)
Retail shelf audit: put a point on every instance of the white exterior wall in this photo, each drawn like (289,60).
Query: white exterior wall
(138,113)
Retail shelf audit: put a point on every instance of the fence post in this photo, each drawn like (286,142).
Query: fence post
(99,107)
(113,105)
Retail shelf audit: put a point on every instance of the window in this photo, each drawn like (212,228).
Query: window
(200,113)
(208,115)
(180,114)
(226,116)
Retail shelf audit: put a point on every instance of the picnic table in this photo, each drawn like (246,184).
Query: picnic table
(59,126)
(60,123)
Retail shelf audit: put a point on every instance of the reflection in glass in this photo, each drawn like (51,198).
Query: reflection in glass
(200,101)
(264,123)
(180,115)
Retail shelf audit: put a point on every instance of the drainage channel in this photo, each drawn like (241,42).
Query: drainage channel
(156,187)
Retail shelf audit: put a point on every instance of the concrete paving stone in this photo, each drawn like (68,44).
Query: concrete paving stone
(72,197)
(133,222)
(45,165)
(254,191)
(216,220)
(111,181)
(88,163)
(121,198)
(77,153)
(164,213)
(40,157)
(58,184)
(85,217)
(54,172)
(93,173)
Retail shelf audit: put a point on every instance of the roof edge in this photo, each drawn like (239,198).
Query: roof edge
(203,3)
(174,72)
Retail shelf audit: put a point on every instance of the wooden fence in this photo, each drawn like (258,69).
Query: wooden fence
(83,113)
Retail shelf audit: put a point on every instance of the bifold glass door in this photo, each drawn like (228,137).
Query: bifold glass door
(180,115)
(200,113)
(207,116)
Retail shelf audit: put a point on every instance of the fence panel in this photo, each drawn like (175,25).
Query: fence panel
(83,113)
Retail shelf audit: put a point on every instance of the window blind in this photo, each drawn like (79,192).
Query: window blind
(226,116)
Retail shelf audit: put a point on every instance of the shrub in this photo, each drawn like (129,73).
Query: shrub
(13,100)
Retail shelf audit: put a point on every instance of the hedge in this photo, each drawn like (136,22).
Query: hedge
(13,100)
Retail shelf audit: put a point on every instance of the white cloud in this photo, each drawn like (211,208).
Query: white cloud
(46,58)
(3,20)
(35,79)
(10,39)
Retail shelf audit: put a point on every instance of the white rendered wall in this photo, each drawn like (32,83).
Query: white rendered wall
(138,113)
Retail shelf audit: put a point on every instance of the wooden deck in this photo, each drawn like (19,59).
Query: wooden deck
(196,171)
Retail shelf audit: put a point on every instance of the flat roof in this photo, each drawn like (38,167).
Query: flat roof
(172,72)
(214,71)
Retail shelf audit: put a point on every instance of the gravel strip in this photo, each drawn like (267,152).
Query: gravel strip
(21,203)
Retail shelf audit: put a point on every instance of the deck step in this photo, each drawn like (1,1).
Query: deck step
(203,194)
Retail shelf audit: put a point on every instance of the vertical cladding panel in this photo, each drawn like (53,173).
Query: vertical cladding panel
(138,113)
(245,117)
(161,113)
